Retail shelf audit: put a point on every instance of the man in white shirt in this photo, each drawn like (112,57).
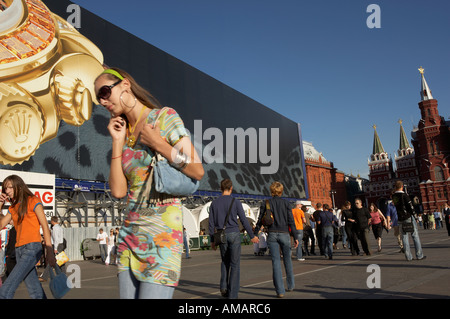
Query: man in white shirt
(57,235)
(101,238)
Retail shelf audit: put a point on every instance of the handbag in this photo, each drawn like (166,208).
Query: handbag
(168,179)
(407,225)
(219,235)
(61,258)
(58,283)
(267,218)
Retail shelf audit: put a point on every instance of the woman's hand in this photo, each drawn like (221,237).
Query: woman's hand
(151,136)
(117,127)
(50,256)
(3,198)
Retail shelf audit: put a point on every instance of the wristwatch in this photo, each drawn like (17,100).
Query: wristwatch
(47,73)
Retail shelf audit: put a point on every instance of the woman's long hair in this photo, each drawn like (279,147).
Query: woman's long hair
(21,194)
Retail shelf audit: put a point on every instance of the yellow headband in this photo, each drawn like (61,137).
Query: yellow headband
(113,72)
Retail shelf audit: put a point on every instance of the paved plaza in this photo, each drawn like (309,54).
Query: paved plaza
(344,277)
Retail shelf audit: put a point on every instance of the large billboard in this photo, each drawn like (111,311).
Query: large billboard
(235,136)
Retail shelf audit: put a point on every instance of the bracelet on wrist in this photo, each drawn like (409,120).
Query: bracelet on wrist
(180,161)
(116,157)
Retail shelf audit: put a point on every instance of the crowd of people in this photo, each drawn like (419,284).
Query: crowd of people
(147,247)
(323,227)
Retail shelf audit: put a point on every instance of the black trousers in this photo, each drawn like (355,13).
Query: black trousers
(352,239)
(307,235)
(364,238)
(319,238)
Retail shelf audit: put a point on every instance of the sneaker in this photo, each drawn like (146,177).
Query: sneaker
(301,259)
(422,258)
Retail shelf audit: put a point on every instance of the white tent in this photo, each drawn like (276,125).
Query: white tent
(203,217)
(190,221)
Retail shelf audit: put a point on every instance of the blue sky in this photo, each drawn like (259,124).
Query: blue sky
(315,62)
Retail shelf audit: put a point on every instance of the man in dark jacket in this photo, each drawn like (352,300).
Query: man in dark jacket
(362,218)
(231,250)
(316,217)
(327,221)
(405,213)
(279,238)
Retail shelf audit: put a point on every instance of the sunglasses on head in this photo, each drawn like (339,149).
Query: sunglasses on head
(105,91)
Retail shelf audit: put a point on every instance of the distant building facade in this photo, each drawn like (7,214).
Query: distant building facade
(326,184)
(431,141)
(423,168)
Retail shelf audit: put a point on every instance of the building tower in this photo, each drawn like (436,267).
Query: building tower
(405,162)
(381,174)
(431,141)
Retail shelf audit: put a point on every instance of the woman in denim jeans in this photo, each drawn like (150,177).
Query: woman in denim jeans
(28,216)
(279,238)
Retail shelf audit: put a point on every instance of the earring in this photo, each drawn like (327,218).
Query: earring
(121,100)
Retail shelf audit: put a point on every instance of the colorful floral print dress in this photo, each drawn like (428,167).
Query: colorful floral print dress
(151,238)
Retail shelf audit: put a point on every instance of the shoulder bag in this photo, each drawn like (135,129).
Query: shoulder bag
(168,179)
(58,283)
(219,236)
(407,225)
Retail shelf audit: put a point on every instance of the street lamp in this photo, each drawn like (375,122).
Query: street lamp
(332,192)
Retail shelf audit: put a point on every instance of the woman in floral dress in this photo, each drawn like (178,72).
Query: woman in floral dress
(151,240)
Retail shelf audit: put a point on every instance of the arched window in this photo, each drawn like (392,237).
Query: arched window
(438,173)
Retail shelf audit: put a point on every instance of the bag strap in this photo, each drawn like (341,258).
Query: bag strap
(158,156)
(228,214)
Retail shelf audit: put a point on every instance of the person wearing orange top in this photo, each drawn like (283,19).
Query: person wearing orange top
(28,215)
(299,218)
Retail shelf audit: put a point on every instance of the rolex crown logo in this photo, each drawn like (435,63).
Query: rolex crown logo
(19,123)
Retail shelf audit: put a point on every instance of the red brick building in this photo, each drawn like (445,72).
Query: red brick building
(431,141)
(423,169)
(326,184)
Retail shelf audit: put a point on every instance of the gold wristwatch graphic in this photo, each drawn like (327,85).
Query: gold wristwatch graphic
(47,71)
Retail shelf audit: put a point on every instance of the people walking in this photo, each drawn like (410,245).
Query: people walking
(278,240)
(319,240)
(29,218)
(378,222)
(362,219)
(406,214)
(110,248)
(392,222)
(102,238)
(308,233)
(230,251)
(186,243)
(150,240)
(328,222)
(299,218)
(446,213)
(350,228)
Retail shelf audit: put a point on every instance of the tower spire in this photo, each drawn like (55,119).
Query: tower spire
(425,93)
(404,144)
(377,146)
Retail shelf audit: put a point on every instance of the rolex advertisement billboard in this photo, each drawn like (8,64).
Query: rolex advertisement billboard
(51,51)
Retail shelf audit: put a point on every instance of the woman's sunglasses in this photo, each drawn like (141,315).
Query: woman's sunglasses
(105,91)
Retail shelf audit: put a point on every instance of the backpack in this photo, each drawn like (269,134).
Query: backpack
(267,218)
(399,203)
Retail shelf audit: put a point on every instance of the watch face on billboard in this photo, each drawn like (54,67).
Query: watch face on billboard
(49,122)
(47,70)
